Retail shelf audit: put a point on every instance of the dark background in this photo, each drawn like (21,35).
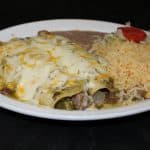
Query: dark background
(19,132)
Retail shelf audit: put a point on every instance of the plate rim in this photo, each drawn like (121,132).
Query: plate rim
(59,19)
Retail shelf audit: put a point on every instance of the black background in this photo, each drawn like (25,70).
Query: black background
(19,132)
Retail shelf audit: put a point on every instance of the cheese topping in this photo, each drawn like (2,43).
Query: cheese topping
(46,68)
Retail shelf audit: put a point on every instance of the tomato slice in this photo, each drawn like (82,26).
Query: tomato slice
(133,34)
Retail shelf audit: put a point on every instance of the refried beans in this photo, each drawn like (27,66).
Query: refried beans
(83,38)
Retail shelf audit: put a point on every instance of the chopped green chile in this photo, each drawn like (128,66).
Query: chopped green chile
(65,104)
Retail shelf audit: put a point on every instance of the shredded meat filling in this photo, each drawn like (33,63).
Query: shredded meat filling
(6,91)
(81,101)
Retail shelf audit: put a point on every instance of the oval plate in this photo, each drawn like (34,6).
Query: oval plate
(31,29)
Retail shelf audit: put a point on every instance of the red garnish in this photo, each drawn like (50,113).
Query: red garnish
(133,34)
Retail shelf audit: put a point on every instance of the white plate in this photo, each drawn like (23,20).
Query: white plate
(31,29)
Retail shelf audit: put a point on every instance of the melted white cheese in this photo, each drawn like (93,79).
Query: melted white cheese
(30,81)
